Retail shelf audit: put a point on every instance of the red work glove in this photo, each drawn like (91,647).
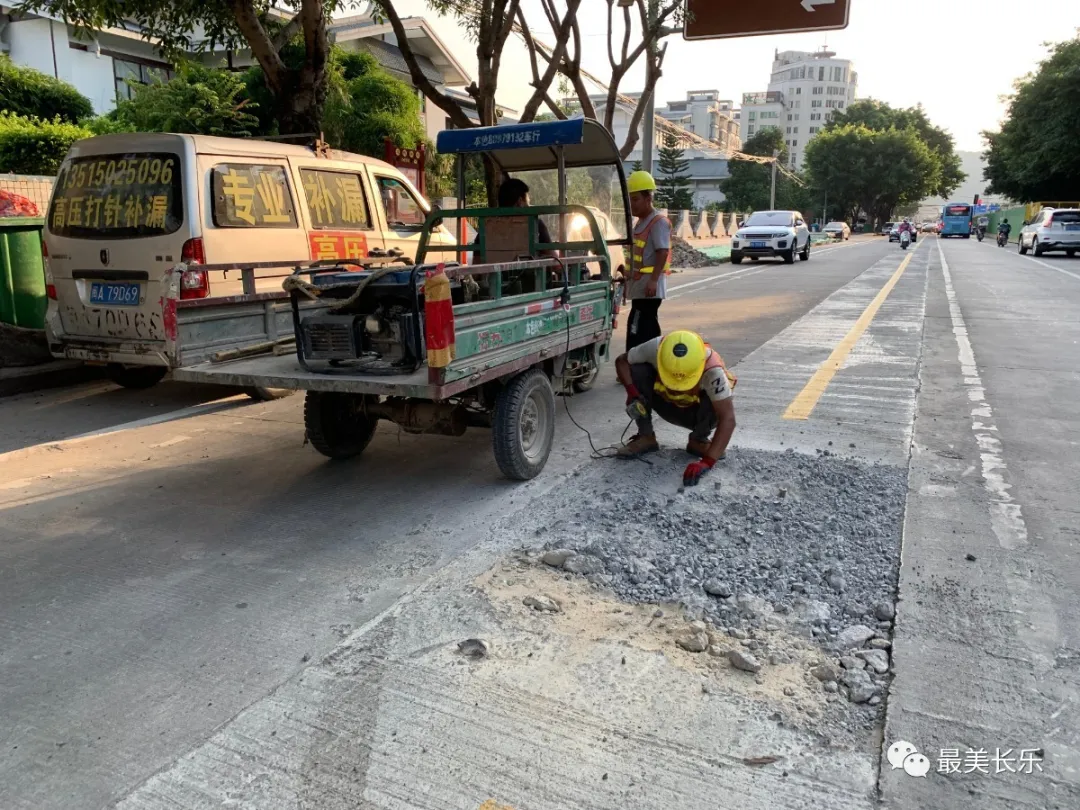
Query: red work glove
(631,393)
(693,472)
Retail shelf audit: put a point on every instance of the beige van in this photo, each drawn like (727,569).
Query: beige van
(126,208)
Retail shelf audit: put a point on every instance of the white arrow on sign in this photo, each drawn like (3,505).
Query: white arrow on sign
(809,4)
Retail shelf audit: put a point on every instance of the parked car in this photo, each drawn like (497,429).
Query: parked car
(579,231)
(1052,229)
(771,233)
(887,228)
(126,208)
(838,230)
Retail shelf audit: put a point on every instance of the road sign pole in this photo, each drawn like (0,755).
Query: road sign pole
(772,189)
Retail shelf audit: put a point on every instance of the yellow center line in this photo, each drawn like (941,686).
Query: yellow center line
(806,400)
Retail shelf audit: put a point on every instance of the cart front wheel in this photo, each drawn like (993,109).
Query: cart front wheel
(336,423)
(524,426)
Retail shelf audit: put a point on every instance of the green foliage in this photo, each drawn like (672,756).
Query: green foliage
(198,100)
(872,170)
(33,146)
(1035,157)
(672,181)
(364,103)
(748,185)
(638,166)
(879,116)
(29,92)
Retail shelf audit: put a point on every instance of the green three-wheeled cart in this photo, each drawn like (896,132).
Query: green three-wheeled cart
(478,332)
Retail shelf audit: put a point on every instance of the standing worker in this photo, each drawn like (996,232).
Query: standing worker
(684,381)
(652,261)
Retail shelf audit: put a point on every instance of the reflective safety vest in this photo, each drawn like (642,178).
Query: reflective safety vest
(689,399)
(640,240)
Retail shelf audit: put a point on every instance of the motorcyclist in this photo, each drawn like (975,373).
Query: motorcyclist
(906,227)
(1005,228)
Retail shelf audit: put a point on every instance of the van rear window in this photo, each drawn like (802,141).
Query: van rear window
(118,196)
(251,195)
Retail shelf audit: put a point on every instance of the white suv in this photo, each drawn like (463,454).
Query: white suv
(1052,229)
(771,233)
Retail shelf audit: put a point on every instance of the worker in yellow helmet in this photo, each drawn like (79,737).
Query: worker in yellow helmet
(680,378)
(647,284)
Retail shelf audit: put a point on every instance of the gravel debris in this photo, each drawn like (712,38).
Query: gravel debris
(839,519)
(877,659)
(885,611)
(683,254)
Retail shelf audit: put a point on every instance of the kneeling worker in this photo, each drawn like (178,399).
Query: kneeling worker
(684,381)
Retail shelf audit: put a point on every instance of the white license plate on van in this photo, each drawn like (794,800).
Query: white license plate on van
(114,293)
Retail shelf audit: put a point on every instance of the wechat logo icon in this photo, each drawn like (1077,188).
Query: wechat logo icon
(902,754)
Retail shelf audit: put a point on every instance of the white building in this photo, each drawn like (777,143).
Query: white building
(809,87)
(100,67)
(705,114)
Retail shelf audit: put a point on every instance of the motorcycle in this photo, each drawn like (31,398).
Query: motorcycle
(979,233)
(905,238)
(1002,239)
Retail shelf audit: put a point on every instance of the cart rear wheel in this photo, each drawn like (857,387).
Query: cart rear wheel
(336,423)
(586,383)
(524,426)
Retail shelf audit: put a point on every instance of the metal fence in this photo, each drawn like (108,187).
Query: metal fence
(35,188)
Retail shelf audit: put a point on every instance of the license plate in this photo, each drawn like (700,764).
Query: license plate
(759,244)
(1071,227)
(117,294)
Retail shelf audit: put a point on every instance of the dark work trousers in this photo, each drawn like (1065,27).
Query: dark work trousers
(644,323)
(699,419)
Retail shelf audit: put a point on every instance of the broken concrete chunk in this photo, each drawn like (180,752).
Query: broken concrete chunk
(556,558)
(885,611)
(877,659)
(546,604)
(692,640)
(854,636)
(474,648)
(583,564)
(824,672)
(811,611)
(715,587)
(860,687)
(744,661)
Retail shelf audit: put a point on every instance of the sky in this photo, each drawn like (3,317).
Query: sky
(958,58)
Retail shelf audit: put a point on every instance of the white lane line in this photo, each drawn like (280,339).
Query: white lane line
(1005,515)
(750,271)
(1042,263)
(170,442)
(710,278)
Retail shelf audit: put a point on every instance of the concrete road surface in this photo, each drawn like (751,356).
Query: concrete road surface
(178,571)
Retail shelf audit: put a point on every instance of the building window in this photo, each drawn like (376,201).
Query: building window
(796,130)
(789,130)
(798,91)
(815,103)
(789,116)
(798,105)
(821,73)
(753,115)
(840,105)
(796,116)
(817,91)
(795,142)
(138,72)
(750,130)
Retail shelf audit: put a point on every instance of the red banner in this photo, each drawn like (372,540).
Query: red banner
(410,162)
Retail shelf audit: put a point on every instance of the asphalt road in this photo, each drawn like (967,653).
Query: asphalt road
(169,558)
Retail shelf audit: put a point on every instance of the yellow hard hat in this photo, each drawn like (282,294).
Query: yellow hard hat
(640,181)
(680,360)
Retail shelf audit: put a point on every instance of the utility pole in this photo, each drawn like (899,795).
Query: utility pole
(772,188)
(649,133)
(825,209)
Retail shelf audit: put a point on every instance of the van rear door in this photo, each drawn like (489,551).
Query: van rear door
(117,221)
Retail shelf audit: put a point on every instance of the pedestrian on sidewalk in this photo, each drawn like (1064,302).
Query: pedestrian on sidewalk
(682,380)
(647,285)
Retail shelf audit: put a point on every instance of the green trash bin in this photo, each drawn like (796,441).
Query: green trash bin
(22,272)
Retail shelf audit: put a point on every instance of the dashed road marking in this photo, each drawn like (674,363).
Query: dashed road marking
(806,400)
(1006,518)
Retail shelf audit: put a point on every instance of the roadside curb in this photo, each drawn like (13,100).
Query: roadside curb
(23,379)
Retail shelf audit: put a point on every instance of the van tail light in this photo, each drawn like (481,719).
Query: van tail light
(192,252)
(193,283)
(50,290)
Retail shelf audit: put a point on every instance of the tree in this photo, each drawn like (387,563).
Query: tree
(1034,156)
(491,22)
(180,27)
(673,184)
(28,92)
(198,100)
(748,185)
(872,170)
(879,116)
